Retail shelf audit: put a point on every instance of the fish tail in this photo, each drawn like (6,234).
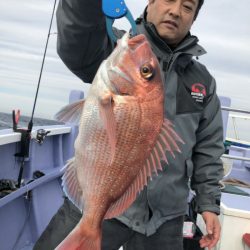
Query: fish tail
(83,237)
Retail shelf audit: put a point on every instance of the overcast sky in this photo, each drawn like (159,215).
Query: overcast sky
(223,28)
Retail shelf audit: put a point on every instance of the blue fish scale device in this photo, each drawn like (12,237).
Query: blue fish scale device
(115,9)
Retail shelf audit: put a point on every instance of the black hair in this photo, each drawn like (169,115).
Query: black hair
(198,8)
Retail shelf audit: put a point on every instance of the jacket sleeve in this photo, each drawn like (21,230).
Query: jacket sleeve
(208,169)
(82,41)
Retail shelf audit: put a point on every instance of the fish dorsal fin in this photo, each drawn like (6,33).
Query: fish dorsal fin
(167,141)
(106,104)
(70,184)
(71,113)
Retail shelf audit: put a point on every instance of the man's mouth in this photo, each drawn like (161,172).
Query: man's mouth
(171,23)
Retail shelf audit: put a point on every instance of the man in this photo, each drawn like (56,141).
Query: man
(155,220)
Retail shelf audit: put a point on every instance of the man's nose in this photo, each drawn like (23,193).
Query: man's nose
(175,9)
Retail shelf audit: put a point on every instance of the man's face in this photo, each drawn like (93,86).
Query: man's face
(172,18)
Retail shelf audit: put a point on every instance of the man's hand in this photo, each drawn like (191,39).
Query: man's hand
(213,230)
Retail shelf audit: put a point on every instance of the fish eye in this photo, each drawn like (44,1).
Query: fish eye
(146,71)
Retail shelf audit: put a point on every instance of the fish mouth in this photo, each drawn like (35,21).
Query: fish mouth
(132,42)
(136,41)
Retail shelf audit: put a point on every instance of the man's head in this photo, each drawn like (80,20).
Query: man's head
(173,18)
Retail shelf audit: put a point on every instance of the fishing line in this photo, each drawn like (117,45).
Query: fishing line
(41,71)
(26,133)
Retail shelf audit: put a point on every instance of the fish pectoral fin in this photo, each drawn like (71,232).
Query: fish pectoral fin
(106,104)
(71,113)
(70,184)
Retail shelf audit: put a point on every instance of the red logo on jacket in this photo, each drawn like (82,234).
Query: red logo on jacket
(199,88)
(198,92)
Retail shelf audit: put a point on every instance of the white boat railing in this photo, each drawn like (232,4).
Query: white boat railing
(234,157)
(243,111)
(237,114)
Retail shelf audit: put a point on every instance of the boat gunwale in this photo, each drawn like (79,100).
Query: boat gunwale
(8,136)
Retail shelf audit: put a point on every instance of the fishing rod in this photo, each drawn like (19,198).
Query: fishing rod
(26,133)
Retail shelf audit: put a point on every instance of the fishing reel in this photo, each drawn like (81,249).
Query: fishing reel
(23,154)
(40,136)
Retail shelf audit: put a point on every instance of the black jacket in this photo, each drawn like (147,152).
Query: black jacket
(190,102)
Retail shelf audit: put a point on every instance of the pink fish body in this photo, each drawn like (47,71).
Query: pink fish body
(122,139)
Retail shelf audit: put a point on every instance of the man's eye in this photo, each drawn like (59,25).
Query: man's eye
(188,7)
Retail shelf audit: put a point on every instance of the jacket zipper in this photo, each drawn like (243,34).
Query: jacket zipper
(166,64)
(170,61)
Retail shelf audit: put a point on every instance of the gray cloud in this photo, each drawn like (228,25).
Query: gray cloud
(222,27)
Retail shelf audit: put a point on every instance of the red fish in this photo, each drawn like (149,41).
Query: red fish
(122,139)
